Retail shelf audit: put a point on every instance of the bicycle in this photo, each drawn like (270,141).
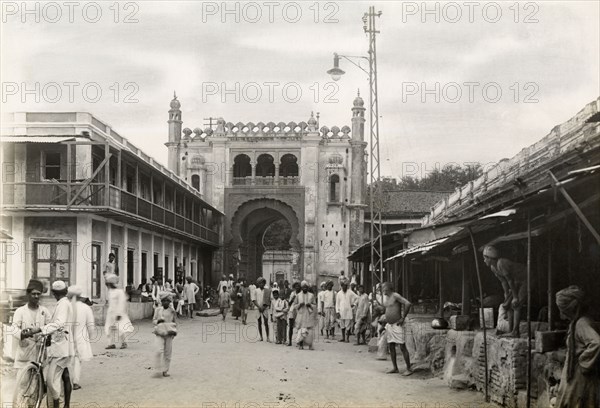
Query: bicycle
(30,387)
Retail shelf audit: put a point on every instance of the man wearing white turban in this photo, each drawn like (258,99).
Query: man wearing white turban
(83,332)
(306,307)
(165,326)
(116,314)
(344,300)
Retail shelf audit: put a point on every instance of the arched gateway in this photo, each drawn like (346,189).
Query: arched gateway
(292,193)
(246,247)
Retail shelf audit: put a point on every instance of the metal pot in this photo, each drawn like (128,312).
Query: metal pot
(439,323)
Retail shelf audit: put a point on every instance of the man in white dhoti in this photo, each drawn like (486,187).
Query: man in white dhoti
(116,314)
(396,310)
(261,297)
(165,329)
(344,300)
(305,320)
(327,308)
(189,295)
(83,332)
(26,318)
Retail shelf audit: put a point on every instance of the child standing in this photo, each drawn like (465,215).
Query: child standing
(280,309)
(224,299)
(165,329)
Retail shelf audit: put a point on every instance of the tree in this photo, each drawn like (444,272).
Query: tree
(447,178)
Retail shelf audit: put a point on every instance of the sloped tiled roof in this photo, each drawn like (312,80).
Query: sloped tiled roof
(409,203)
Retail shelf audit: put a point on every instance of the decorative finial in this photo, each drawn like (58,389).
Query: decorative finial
(312,122)
(175,103)
(358,93)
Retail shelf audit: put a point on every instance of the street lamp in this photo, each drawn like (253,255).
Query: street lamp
(336,72)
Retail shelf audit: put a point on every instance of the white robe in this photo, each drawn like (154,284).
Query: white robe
(84,332)
(117,306)
(62,319)
(25,318)
(344,302)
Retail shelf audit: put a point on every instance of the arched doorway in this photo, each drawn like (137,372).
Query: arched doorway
(254,222)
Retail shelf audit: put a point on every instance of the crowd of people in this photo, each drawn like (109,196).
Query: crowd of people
(294,314)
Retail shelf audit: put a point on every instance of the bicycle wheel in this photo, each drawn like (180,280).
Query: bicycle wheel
(29,388)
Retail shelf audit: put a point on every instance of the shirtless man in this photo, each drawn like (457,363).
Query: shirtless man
(512,276)
(395,329)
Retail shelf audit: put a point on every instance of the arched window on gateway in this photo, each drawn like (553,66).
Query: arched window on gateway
(288,170)
(334,188)
(266,170)
(242,170)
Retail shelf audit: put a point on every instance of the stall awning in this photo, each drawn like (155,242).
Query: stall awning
(421,249)
(363,253)
(451,232)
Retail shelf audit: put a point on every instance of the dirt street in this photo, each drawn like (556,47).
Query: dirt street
(222,364)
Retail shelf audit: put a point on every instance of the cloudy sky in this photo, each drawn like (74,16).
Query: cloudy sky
(457,83)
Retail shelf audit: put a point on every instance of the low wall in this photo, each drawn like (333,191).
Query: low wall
(458,360)
(426,345)
(507,368)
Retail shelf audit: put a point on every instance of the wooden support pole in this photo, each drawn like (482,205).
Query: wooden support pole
(107,175)
(550,286)
(441,301)
(528,310)
(485,358)
(576,208)
(69,169)
(466,288)
(88,181)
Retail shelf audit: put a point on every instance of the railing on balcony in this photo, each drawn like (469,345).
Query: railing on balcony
(56,194)
(266,181)
(53,193)
(242,181)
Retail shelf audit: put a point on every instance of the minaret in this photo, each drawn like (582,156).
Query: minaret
(358,175)
(359,168)
(174,134)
